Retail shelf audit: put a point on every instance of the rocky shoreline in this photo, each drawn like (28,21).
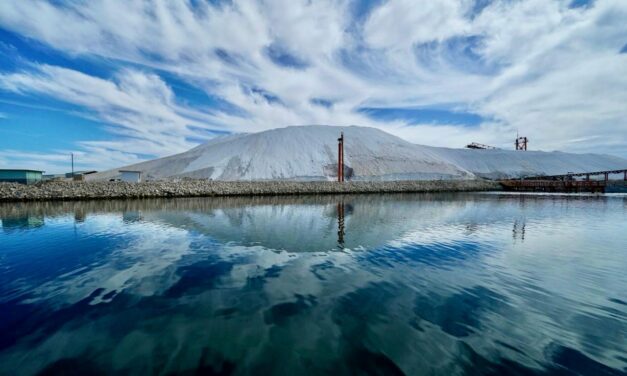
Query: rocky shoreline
(203,188)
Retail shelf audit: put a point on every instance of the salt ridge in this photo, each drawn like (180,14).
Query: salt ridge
(310,153)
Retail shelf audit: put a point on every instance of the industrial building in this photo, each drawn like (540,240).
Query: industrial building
(131,176)
(68,175)
(20,176)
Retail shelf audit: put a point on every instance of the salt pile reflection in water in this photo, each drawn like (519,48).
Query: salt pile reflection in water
(414,284)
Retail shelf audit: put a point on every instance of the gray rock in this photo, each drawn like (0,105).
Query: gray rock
(190,188)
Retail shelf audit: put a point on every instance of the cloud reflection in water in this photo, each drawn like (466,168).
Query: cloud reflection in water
(397,283)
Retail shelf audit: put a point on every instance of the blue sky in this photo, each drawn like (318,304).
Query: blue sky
(116,82)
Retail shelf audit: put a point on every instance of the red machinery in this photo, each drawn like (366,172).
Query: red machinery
(340,158)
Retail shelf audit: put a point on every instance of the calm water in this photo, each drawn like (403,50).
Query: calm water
(413,284)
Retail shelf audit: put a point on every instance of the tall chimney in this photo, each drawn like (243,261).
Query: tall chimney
(340,158)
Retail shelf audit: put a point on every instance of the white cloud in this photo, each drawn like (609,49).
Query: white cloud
(140,108)
(140,105)
(550,71)
(402,23)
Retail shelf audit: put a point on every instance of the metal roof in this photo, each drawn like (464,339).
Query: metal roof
(20,169)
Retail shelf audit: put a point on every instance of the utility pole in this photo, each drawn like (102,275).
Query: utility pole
(72,154)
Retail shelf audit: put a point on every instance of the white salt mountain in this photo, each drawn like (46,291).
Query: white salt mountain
(310,153)
(501,164)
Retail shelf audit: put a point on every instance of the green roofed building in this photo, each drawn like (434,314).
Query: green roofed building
(20,176)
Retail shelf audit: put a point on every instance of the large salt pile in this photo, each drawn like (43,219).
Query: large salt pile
(310,153)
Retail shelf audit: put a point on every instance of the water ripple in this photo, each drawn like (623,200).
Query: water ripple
(394,284)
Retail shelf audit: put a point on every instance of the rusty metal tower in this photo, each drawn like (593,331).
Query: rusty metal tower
(521,143)
(340,158)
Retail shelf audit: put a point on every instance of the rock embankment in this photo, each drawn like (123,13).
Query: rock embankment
(198,188)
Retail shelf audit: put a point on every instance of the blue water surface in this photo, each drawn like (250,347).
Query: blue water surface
(434,284)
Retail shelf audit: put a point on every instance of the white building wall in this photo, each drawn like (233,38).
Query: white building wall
(131,176)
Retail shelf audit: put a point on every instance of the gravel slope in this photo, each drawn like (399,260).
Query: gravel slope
(195,188)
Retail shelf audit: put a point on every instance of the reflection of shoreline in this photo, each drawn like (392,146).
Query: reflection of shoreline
(55,208)
(22,222)
(59,208)
(304,223)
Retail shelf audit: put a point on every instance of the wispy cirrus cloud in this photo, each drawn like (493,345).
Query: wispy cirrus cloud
(137,108)
(549,69)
